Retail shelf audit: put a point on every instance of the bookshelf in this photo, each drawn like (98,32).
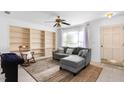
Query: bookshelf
(18,36)
(54,41)
(39,41)
(49,43)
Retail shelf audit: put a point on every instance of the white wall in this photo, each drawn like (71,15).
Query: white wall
(94,34)
(94,30)
(4,30)
(59,38)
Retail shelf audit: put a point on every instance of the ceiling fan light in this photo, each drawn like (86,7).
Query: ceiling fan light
(58,25)
(109,15)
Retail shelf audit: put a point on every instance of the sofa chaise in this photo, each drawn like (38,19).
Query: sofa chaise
(73,59)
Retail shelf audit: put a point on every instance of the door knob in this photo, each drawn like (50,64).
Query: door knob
(101,45)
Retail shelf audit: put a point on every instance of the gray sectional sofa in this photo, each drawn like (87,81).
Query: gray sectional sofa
(73,59)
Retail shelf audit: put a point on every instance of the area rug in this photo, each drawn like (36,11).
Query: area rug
(48,71)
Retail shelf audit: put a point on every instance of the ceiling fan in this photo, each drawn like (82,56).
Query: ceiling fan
(7,12)
(59,22)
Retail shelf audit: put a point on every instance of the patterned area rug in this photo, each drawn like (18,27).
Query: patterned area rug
(47,70)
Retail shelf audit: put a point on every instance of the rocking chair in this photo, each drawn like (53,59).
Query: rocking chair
(27,55)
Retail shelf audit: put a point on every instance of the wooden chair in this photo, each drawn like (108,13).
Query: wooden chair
(27,55)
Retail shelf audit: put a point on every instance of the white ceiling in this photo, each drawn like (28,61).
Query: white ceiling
(30,16)
(73,17)
(78,17)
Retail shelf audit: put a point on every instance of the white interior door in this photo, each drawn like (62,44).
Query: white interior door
(112,43)
(117,42)
(106,43)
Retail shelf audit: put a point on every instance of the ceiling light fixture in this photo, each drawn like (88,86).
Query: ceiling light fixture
(109,15)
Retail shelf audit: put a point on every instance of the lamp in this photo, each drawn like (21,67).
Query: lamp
(23,46)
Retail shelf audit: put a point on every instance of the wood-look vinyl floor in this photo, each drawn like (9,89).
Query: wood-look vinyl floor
(48,71)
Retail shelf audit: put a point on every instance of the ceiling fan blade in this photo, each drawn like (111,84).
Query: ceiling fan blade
(63,20)
(54,25)
(66,23)
(7,12)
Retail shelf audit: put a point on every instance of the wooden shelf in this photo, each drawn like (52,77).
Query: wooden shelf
(17,32)
(37,48)
(14,51)
(38,53)
(19,42)
(49,43)
(39,41)
(19,36)
(14,37)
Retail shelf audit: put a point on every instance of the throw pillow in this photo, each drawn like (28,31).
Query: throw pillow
(69,51)
(65,49)
(84,53)
(75,51)
(80,52)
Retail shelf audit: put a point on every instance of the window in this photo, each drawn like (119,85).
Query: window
(74,38)
(70,39)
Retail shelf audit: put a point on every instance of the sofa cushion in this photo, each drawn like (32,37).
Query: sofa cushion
(60,55)
(73,60)
(76,50)
(65,49)
(72,69)
(60,50)
(69,51)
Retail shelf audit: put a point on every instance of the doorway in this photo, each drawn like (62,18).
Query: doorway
(112,45)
